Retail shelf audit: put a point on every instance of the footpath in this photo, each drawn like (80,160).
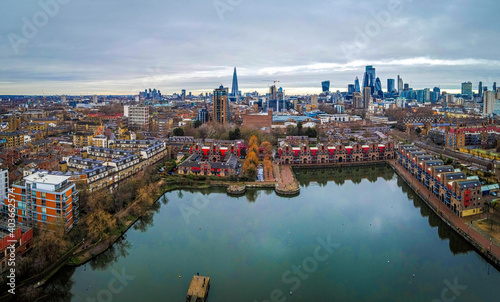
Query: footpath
(484,245)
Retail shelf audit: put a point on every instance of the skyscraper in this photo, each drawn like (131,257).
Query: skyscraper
(357,88)
(390,85)
(378,88)
(357,100)
(495,86)
(369,78)
(489,102)
(400,85)
(350,89)
(367,94)
(325,86)
(234,89)
(467,88)
(480,89)
(221,105)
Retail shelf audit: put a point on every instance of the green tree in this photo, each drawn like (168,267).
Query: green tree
(311,132)
(197,124)
(178,132)
(299,128)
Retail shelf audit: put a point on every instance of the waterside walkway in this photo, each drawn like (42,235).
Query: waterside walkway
(482,244)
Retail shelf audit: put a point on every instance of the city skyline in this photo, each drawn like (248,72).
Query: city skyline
(77,49)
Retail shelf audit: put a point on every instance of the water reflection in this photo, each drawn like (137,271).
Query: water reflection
(111,255)
(146,221)
(339,176)
(59,288)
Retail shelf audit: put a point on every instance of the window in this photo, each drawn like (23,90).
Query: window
(43,194)
(44,217)
(44,210)
(58,197)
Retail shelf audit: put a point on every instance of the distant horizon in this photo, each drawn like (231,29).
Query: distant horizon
(121,47)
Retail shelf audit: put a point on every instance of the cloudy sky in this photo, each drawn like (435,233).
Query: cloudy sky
(124,46)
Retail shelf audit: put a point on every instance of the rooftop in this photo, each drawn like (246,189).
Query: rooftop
(41,177)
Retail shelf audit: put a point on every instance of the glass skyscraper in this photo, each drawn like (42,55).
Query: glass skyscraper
(325,86)
(390,86)
(234,89)
(378,88)
(357,88)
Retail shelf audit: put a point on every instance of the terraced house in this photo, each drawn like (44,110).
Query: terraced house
(455,190)
(325,154)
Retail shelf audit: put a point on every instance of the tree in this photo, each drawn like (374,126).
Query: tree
(253,141)
(252,158)
(250,169)
(418,131)
(178,132)
(268,149)
(98,223)
(299,128)
(253,144)
(268,168)
(236,134)
(51,244)
(311,132)
(291,130)
(197,124)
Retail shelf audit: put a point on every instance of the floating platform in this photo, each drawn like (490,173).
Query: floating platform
(198,289)
(236,189)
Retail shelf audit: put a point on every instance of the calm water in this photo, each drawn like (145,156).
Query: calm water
(385,245)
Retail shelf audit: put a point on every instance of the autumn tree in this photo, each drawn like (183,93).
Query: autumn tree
(99,223)
(268,150)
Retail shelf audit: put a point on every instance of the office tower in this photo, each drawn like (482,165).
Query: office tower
(273,92)
(467,88)
(357,100)
(221,105)
(400,84)
(63,99)
(94,99)
(378,88)
(138,116)
(202,115)
(495,86)
(390,86)
(40,199)
(325,86)
(234,97)
(183,94)
(406,87)
(357,88)
(480,89)
(420,96)
(367,94)
(489,102)
(369,78)
(427,95)
(350,89)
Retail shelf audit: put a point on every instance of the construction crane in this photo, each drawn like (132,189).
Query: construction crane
(274,81)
